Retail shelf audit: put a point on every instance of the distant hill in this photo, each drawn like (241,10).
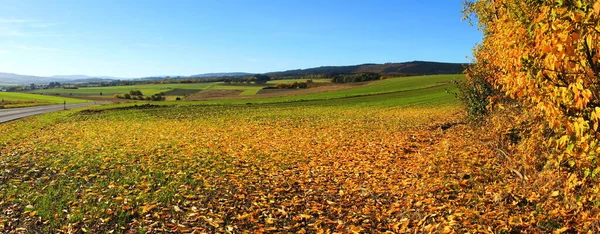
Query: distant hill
(408,68)
(386,69)
(85,77)
(206,75)
(91,80)
(203,75)
(11,78)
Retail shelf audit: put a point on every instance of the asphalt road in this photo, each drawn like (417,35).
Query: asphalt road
(17,113)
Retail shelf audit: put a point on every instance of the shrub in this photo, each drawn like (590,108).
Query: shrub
(158,97)
(295,85)
(476,92)
(352,78)
(136,93)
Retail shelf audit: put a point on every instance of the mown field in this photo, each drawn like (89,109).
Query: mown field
(14,100)
(111,90)
(363,162)
(150,89)
(413,88)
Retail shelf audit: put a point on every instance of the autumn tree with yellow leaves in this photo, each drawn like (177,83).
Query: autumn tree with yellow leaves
(545,56)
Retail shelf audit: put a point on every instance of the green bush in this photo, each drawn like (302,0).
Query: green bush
(158,97)
(352,78)
(295,85)
(476,92)
(136,93)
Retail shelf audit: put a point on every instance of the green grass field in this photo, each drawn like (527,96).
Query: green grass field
(402,91)
(435,87)
(14,100)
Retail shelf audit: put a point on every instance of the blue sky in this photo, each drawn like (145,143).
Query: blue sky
(140,38)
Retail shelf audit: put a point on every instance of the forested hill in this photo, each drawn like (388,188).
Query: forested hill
(407,68)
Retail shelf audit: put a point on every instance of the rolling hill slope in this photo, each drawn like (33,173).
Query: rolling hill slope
(408,68)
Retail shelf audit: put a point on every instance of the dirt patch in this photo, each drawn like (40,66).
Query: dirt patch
(181,92)
(138,107)
(293,92)
(134,107)
(213,94)
(265,93)
(91,112)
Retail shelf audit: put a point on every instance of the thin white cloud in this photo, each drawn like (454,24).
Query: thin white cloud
(44,25)
(17,21)
(24,27)
(6,32)
(3,51)
(35,48)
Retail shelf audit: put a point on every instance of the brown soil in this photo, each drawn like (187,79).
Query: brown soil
(294,92)
(266,93)
(91,112)
(134,107)
(213,94)
(143,106)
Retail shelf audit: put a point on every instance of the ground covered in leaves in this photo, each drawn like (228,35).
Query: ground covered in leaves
(265,168)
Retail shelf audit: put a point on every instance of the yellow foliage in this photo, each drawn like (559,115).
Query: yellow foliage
(545,56)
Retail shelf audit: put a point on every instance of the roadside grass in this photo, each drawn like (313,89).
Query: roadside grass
(15,100)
